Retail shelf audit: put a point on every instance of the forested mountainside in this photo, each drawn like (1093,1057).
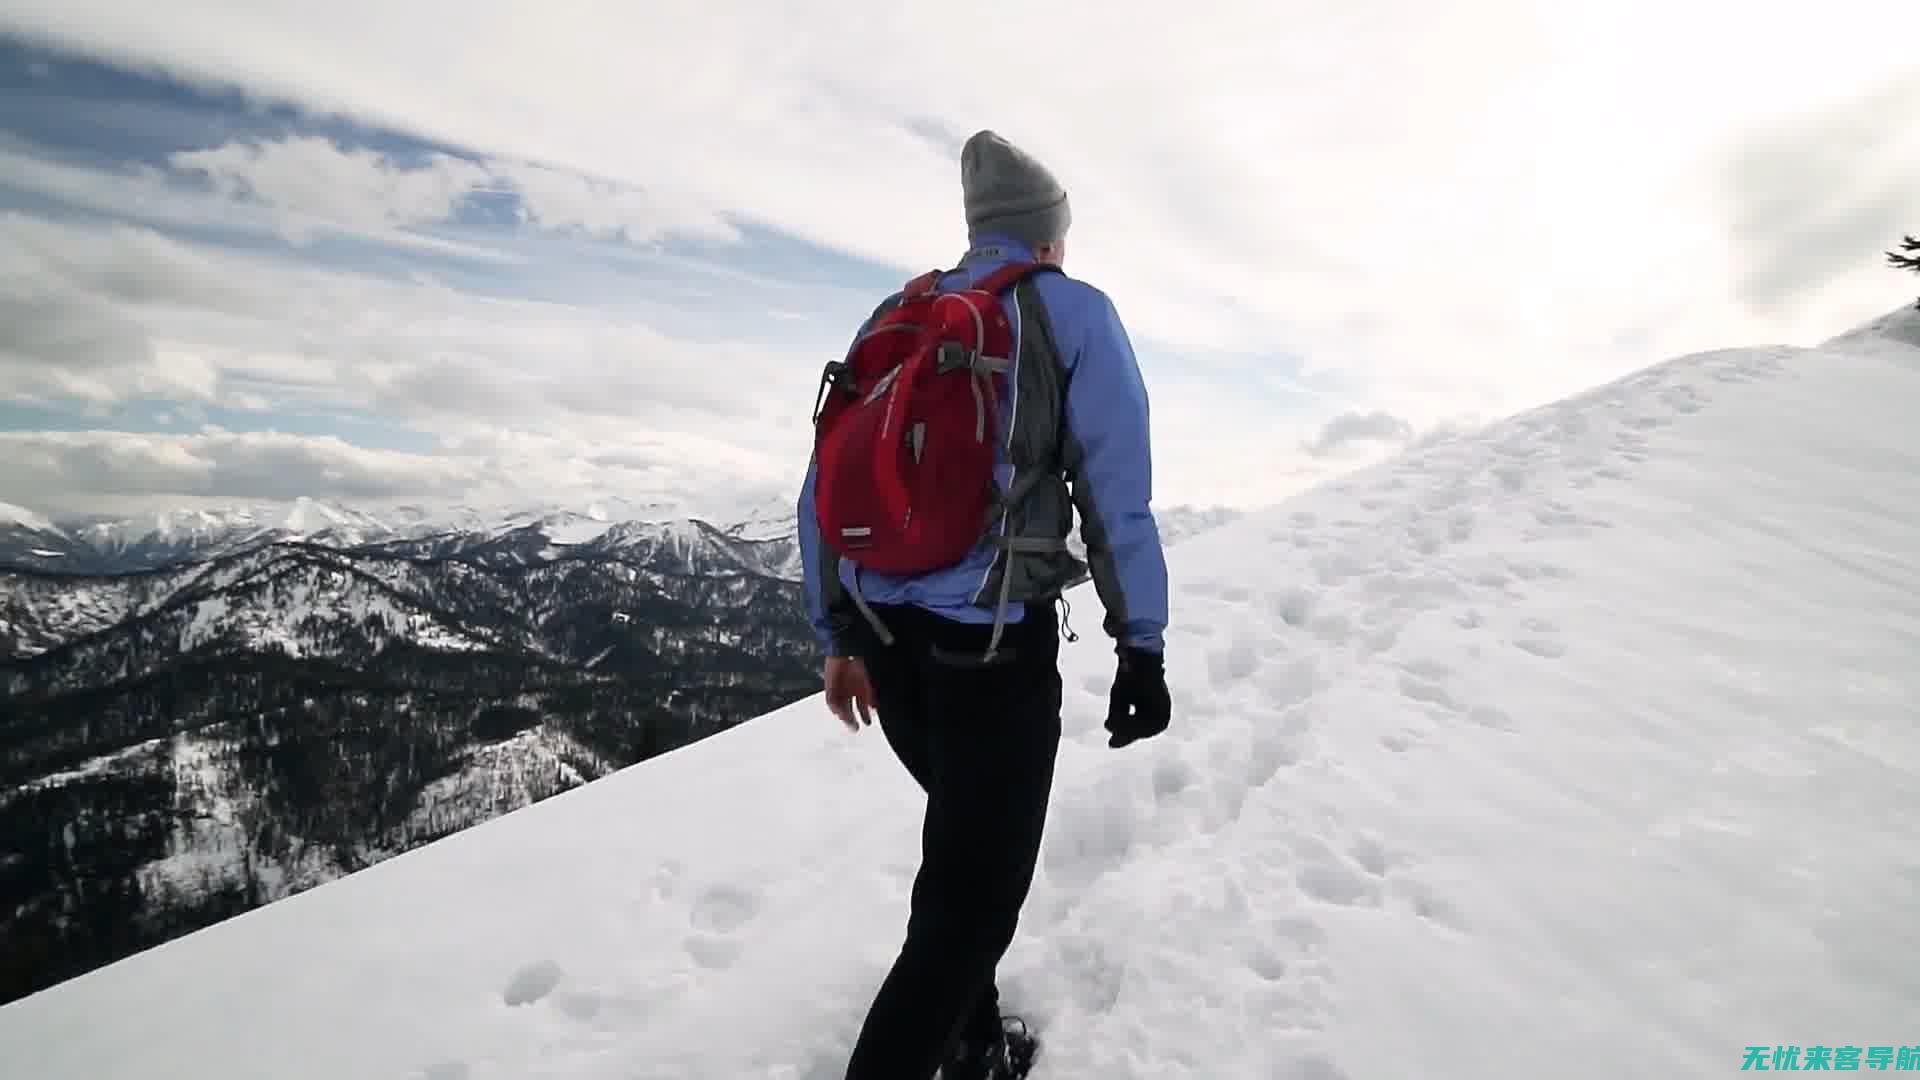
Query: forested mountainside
(180,745)
(235,713)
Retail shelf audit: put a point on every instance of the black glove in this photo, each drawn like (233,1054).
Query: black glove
(1140,707)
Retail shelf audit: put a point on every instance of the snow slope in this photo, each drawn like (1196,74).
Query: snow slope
(1583,747)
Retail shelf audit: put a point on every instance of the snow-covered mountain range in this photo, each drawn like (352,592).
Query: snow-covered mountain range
(765,525)
(101,543)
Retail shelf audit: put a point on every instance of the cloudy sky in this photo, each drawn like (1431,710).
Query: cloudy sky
(499,251)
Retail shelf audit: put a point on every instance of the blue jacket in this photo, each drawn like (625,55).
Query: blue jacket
(1110,471)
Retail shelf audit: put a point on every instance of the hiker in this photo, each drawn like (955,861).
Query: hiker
(938,606)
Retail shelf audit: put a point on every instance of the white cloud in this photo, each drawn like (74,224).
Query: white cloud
(162,199)
(116,471)
(47,468)
(560,199)
(1815,202)
(315,182)
(106,313)
(1496,188)
(524,396)
(359,187)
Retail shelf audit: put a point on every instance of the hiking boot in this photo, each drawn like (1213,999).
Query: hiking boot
(1007,1055)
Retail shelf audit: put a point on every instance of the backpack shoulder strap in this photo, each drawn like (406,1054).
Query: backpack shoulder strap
(1010,275)
(923,284)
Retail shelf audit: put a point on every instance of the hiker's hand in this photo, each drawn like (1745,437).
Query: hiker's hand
(1140,706)
(848,689)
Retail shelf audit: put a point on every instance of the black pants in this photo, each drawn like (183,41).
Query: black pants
(981,741)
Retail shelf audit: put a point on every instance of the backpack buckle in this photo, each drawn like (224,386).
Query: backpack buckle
(951,357)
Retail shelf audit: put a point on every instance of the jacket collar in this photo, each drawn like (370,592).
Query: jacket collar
(992,249)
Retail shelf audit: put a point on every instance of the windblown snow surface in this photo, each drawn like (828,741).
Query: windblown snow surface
(1585,746)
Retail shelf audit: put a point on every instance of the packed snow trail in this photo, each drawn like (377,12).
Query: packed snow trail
(1583,747)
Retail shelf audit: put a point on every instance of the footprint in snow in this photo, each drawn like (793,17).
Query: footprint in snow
(1398,742)
(1542,638)
(1302,934)
(1233,663)
(1273,749)
(1556,516)
(1171,777)
(1511,477)
(1427,669)
(1683,399)
(1423,900)
(1266,962)
(1383,638)
(1372,855)
(1281,1006)
(1332,628)
(532,983)
(1427,692)
(1294,606)
(1488,716)
(1093,975)
(1336,567)
(1291,684)
(1534,571)
(1291,995)
(713,953)
(1328,878)
(723,909)
(1091,831)
(1311,1067)
(719,913)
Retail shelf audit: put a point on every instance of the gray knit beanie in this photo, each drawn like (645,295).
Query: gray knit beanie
(1009,193)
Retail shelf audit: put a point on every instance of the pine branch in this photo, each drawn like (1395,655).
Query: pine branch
(1906,262)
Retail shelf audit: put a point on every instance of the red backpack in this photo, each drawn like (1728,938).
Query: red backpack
(904,436)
